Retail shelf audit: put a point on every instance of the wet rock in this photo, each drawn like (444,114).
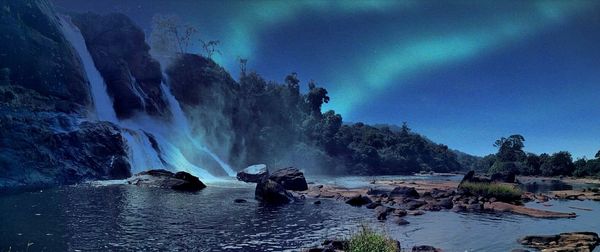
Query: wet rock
(400,212)
(506,207)
(404,192)
(181,181)
(400,221)
(291,178)
(414,204)
(269,191)
(373,205)
(519,250)
(382,211)
(253,173)
(36,55)
(576,241)
(425,248)
(122,57)
(415,213)
(318,202)
(358,200)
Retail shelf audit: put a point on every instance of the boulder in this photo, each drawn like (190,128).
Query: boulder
(181,181)
(470,177)
(576,241)
(253,173)
(358,200)
(404,192)
(400,221)
(290,178)
(269,191)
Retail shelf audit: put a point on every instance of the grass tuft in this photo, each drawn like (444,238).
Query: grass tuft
(500,191)
(367,240)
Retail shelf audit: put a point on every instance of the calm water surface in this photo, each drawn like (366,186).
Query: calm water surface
(87,218)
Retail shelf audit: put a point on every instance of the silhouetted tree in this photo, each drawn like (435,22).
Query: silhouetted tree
(510,149)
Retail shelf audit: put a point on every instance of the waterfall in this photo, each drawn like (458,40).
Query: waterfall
(103,105)
(142,154)
(180,121)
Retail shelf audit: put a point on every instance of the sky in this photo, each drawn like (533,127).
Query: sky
(463,73)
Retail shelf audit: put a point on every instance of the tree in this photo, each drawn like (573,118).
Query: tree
(210,48)
(510,149)
(243,63)
(532,165)
(170,35)
(293,83)
(560,163)
(597,154)
(315,98)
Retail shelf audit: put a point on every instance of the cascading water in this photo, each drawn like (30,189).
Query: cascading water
(180,121)
(142,155)
(103,108)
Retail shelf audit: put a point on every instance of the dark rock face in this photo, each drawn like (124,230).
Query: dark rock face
(42,146)
(404,192)
(181,181)
(35,54)
(291,178)
(122,57)
(576,241)
(253,174)
(269,191)
(358,200)
(209,96)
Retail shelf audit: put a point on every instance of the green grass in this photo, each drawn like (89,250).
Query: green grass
(500,191)
(367,240)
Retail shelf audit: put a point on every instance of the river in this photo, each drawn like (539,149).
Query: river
(88,218)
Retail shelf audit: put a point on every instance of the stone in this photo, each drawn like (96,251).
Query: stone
(181,181)
(358,200)
(269,191)
(240,201)
(575,241)
(400,221)
(425,248)
(404,192)
(290,178)
(253,173)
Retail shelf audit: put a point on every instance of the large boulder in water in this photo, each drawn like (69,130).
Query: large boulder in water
(505,177)
(291,178)
(181,181)
(253,173)
(269,191)
(133,78)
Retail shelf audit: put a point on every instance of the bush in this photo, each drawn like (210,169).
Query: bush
(367,240)
(500,191)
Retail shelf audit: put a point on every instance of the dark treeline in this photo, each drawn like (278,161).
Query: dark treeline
(281,125)
(512,158)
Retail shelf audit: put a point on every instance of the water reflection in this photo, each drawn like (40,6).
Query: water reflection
(130,218)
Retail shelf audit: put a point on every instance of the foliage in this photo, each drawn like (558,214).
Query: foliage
(500,191)
(367,240)
(510,149)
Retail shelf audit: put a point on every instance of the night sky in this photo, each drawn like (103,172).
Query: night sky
(462,73)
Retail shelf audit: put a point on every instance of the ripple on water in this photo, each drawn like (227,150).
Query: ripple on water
(130,218)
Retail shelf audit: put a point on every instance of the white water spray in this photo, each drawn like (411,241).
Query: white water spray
(180,121)
(102,103)
(141,153)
